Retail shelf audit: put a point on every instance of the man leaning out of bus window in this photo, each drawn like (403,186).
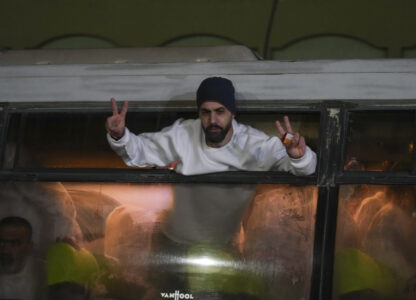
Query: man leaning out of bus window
(215,142)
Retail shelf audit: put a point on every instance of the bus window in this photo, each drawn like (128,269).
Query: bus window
(131,241)
(375,243)
(380,141)
(78,140)
(70,140)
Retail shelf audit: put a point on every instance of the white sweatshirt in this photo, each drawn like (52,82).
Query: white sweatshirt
(248,150)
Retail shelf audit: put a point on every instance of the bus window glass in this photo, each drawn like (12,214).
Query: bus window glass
(143,241)
(380,141)
(375,244)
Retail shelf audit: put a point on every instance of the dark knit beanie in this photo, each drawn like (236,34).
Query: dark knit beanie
(216,89)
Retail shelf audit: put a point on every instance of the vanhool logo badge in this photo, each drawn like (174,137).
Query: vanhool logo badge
(176,295)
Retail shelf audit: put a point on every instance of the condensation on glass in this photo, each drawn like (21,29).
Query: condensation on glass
(375,242)
(78,140)
(380,141)
(152,241)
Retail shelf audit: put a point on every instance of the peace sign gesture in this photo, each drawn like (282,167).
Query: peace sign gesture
(116,124)
(294,142)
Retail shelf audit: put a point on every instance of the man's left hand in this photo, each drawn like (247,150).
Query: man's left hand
(296,148)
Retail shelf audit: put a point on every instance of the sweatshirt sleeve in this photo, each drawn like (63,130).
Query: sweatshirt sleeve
(148,149)
(306,165)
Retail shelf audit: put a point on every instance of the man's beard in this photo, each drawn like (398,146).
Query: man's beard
(216,137)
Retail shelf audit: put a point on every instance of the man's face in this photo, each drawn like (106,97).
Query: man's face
(216,122)
(15,244)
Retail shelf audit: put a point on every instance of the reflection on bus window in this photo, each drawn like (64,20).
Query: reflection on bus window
(375,244)
(380,141)
(150,241)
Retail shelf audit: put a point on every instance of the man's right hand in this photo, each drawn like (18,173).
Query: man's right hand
(116,124)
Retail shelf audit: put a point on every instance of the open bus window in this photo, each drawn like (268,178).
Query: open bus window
(375,244)
(77,140)
(146,241)
(380,141)
(70,140)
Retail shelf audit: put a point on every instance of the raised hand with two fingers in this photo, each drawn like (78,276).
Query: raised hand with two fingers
(295,143)
(116,123)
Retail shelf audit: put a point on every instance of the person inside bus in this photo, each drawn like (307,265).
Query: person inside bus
(22,276)
(215,142)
